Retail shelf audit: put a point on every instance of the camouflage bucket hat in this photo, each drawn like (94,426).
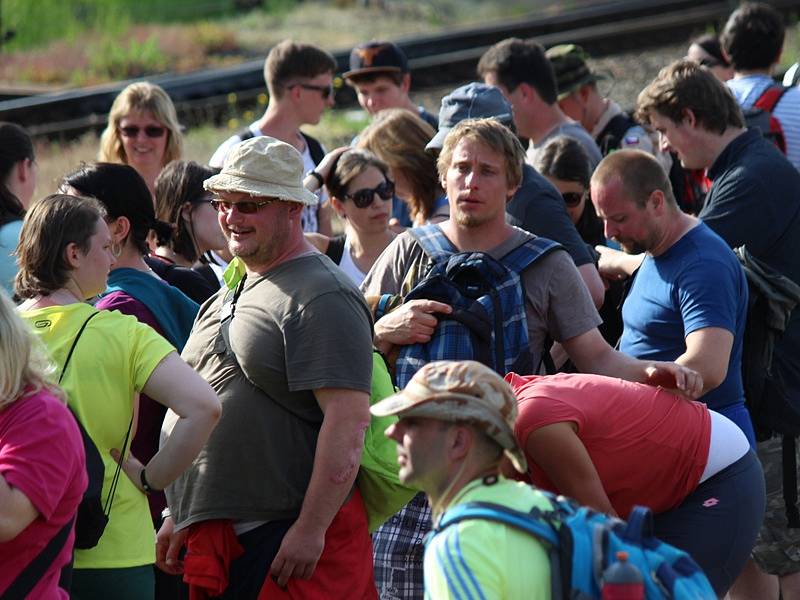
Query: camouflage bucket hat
(462,391)
(570,68)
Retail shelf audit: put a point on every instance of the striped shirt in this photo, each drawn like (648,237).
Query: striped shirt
(747,90)
(477,559)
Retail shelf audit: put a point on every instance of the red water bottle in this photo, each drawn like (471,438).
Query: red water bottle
(622,580)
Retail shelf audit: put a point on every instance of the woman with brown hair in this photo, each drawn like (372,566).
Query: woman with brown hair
(398,137)
(65,256)
(142,131)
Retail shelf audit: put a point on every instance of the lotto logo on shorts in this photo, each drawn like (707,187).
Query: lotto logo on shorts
(711,502)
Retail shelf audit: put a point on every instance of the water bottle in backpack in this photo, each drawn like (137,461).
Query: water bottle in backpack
(622,580)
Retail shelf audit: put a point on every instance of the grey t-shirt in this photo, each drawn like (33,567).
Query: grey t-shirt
(302,326)
(575,131)
(557,300)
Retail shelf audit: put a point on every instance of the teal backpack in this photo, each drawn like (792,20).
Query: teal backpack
(582,543)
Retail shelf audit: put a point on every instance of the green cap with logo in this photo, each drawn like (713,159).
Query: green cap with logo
(571,70)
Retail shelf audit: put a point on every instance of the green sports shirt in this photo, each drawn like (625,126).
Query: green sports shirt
(477,559)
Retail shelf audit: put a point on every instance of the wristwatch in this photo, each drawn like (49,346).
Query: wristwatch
(317,176)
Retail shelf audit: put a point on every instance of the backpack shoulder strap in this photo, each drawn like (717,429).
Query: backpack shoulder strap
(433,241)
(314,148)
(75,343)
(770,97)
(489,511)
(335,249)
(24,583)
(527,253)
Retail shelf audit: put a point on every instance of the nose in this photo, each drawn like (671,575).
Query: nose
(331,100)
(609,230)
(394,432)
(471,180)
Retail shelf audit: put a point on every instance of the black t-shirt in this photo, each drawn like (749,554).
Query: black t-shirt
(191,283)
(538,208)
(754,202)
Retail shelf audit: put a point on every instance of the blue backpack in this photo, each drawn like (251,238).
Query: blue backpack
(488,322)
(582,543)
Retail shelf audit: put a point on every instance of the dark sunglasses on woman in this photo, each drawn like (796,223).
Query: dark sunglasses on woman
(151,131)
(363,198)
(572,199)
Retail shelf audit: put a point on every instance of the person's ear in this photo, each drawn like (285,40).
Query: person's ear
(119,228)
(461,441)
(186,212)
(689,118)
(338,206)
(657,199)
(405,83)
(73,255)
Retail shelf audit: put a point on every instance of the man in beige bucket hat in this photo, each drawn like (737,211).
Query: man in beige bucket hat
(289,352)
(456,423)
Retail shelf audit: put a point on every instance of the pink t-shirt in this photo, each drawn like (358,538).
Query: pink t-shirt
(649,446)
(41,454)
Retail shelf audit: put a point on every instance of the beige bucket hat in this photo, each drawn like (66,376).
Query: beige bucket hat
(263,167)
(462,391)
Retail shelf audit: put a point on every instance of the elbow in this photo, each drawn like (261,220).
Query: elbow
(713,378)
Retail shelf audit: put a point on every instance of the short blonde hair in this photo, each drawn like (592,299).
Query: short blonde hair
(142,96)
(24,368)
(495,135)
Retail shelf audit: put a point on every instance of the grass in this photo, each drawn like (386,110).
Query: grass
(56,159)
(83,42)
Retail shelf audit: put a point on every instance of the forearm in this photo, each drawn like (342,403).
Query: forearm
(184,443)
(336,461)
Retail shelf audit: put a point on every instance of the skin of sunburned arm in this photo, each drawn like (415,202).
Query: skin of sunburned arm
(593,283)
(559,452)
(615,264)
(16,511)
(336,462)
(592,354)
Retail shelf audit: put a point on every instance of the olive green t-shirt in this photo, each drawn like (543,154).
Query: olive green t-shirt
(300,327)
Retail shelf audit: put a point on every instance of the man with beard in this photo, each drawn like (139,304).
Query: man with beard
(480,167)
(688,301)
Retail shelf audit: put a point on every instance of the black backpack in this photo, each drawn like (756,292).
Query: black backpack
(93,513)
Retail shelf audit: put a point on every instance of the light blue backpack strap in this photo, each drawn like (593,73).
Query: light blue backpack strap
(498,513)
(527,253)
(433,241)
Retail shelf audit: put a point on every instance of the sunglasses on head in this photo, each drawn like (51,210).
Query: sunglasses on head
(572,199)
(151,131)
(246,208)
(325,90)
(363,198)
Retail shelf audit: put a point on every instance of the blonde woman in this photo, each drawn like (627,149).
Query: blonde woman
(65,257)
(42,470)
(142,131)
(398,137)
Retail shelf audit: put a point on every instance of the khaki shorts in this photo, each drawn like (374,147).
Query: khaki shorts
(777,550)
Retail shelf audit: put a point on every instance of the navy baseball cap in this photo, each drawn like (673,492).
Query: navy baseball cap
(471,101)
(377,57)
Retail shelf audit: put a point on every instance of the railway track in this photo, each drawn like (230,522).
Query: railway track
(203,96)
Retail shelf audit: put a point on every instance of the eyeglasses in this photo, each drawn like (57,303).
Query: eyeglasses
(151,131)
(364,197)
(572,199)
(325,90)
(710,63)
(246,208)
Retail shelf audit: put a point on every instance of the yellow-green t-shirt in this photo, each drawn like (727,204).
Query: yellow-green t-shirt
(113,360)
(483,559)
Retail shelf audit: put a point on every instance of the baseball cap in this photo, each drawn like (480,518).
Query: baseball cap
(460,391)
(263,166)
(375,57)
(571,70)
(471,101)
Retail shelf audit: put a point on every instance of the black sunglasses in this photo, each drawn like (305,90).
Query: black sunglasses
(363,198)
(246,208)
(151,131)
(325,90)
(572,199)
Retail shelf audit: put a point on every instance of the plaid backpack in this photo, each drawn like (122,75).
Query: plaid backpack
(488,322)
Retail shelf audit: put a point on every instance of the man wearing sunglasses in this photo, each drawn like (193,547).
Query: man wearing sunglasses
(299,80)
(289,351)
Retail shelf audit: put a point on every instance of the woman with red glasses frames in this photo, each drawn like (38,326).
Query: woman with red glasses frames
(361,193)
(142,131)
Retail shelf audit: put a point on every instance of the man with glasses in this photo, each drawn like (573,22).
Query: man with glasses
(299,80)
(288,348)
